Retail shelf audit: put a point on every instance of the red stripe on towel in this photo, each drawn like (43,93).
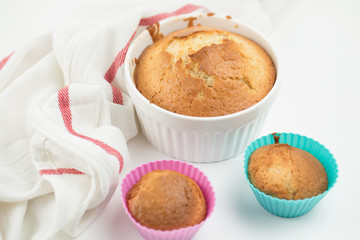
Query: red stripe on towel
(153,19)
(117,95)
(60,171)
(4,61)
(64,105)
(119,60)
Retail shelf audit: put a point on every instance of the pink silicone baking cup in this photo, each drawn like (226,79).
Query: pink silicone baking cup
(194,173)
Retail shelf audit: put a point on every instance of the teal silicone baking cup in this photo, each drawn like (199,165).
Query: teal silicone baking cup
(293,208)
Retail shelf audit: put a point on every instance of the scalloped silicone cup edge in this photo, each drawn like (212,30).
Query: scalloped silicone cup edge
(179,166)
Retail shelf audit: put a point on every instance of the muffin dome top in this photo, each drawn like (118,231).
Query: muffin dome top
(287,172)
(166,200)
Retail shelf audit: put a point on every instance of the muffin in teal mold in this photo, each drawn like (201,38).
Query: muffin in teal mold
(293,208)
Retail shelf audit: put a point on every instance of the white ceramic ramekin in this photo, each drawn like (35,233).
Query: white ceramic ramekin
(199,139)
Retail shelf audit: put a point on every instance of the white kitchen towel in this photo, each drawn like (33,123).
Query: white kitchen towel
(64,121)
(65,118)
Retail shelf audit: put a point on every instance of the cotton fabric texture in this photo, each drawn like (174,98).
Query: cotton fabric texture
(65,118)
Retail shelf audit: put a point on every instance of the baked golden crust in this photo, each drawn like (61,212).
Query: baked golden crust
(166,200)
(283,171)
(205,72)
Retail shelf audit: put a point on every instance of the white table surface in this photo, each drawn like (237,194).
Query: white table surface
(319,45)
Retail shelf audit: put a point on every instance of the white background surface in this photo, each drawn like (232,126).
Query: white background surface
(319,45)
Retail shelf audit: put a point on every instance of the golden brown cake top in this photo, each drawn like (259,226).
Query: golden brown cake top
(283,171)
(166,200)
(203,71)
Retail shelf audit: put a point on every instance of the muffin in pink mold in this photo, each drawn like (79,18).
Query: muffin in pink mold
(167,199)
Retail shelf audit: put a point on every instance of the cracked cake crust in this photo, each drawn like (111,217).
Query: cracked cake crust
(204,72)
